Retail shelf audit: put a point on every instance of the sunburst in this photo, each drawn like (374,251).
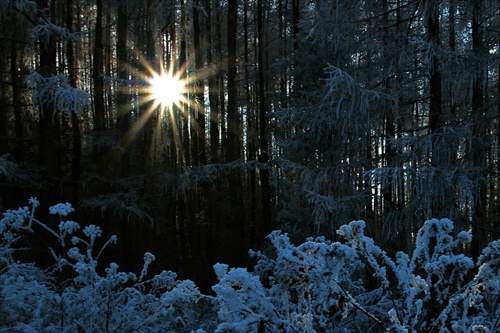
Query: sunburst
(165,96)
(167,89)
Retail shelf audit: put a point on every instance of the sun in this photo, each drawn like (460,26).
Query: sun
(167,89)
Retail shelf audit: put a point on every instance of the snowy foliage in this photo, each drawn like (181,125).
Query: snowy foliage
(424,287)
(45,30)
(325,142)
(14,174)
(56,91)
(23,6)
(72,296)
(316,286)
(128,204)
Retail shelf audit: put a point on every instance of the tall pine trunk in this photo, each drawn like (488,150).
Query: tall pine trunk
(98,92)
(123,119)
(478,133)
(233,137)
(267,226)
(75,121)
(50,140)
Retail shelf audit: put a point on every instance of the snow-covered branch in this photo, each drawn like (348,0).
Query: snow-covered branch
(56,91)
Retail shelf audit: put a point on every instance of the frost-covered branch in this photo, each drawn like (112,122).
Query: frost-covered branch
(56,91)
(23,6)
(46,30)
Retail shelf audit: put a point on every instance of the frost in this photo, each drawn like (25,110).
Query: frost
(480,329)
(46,30)
(56,91)
(220,269)
(92,231)
(86,300)
(148,259)
(315,286)
(61,209)
(34,202)
(465,237)
(68,227)
(182,291)
(24,6)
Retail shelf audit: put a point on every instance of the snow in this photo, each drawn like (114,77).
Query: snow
(318,285)
(62,209)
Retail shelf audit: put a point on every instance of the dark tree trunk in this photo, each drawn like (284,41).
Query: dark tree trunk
(50,141)
(233,139)
(98,92)
(123,119)
(267,226)
(433,38)
(186,138)
(212,87)
(233,135)
(149,117)
(479,133)
(18,152)
(199,103)
(97,71)
(75,121)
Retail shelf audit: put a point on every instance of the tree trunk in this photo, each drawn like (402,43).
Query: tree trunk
(478,133)
(267,226)
(123,119)
(97,76)
(75,121)
(49,150)
(199,103)
(16,100)
(233,138)
(433,38)
(149,117)
(233,135)
(212,86)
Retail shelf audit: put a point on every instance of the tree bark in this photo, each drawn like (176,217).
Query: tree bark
(212,86)
(98,92)
(49,149)
(123,119)
(233,135)
(433,38)
(479,151)
(97,71)
(199,106)
(75,121)
(185,121)
(16,100)
(267,226)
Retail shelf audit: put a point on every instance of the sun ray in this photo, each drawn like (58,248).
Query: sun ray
(167,96)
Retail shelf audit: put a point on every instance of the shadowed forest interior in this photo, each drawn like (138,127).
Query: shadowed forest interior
(295,115)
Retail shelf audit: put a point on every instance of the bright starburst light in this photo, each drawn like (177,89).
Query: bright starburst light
(167,89)
(167,97)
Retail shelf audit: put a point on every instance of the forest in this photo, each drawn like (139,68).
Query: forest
(365,132)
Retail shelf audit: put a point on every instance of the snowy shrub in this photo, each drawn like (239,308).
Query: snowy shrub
(245,306)
(323,286)
(432,290)
(307,289)
(315,286)
(72,296)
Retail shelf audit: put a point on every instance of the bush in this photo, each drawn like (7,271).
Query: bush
(316,286)
(32,301)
